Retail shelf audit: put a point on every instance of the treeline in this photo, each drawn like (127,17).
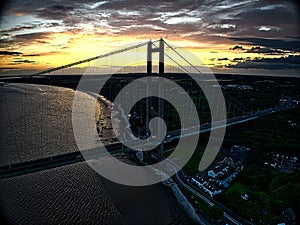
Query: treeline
(269,194)
(272,133)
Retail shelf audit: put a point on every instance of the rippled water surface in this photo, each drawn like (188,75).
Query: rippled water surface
(66,195)
(36,122)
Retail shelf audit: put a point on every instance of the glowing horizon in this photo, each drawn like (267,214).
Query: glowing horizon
(222,34)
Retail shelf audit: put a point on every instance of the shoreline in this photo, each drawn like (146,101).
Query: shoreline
(103,122)
(66,181)
(117,190)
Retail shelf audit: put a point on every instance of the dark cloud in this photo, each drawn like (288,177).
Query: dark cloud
(264,13)
(238,59)
(20,61)
(261,50)
(20,40)
(8,68)
(32,55)
(42,42)
(29,27)
(57,12)
(290,62)
(288,45)
(33,36)
(61,8)
(128,17)
(238,47)
(19,28)
(270,27)
(208,39)
(10,53)
(281,18)
(267,51)
(25,39)
(151,6)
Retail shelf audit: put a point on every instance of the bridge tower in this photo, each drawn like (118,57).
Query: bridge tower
(161,69)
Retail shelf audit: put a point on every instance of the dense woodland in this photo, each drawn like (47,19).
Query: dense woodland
(270,190)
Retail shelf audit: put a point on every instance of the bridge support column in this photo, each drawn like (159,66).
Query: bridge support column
(147,154)
(161,68)
(161,71)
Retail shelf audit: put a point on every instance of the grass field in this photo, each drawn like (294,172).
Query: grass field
(237,186)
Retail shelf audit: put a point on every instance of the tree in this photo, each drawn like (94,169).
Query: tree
(260,180)
(232,198)
(297,190)
(263,200)
(278,206)
(284,193)
(278,182)
(250,210)
(216,212)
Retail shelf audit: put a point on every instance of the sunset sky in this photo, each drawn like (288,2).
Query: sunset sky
(229,36)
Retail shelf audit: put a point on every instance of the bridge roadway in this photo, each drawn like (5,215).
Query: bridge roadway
(74,157)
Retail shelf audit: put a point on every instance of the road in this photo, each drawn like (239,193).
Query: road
(229,215)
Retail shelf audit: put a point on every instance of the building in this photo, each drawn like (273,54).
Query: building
(245,196)
(219,175)
(288,216)
(236,157)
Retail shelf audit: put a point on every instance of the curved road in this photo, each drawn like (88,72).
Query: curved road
(228,214)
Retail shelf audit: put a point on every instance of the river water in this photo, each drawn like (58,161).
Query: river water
(36,122)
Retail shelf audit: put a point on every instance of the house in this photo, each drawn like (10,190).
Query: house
(245,197)
(219,175)
(208,185)
(246,87)
(212,174)
(236,157)
(288,216)
(218,171)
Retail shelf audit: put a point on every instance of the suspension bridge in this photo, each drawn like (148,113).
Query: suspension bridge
(169,63)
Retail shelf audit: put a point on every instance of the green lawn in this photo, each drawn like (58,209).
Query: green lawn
(239,187)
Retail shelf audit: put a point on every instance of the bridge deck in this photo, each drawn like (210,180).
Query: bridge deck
(74,157)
